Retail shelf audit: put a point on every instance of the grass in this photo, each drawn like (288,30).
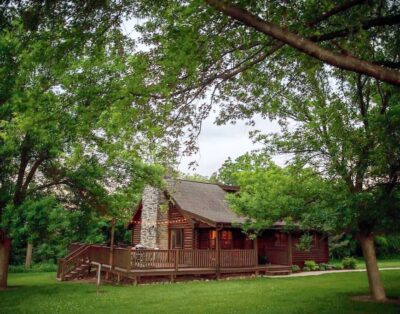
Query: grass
(41,293)
(392,262)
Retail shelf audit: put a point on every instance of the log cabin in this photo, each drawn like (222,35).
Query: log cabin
(190,215)
(188,229)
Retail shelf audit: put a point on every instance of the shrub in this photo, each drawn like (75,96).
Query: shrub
(329,266)
(36,268)
(349,263)
(305,268)
(338,267)
(323,266)
(341,246)
(295,268)
(311,265)
(387,246)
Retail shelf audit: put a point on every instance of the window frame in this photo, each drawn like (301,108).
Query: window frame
(280,239)
(172,237)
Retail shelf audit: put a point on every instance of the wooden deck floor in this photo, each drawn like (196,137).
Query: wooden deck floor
(172,274)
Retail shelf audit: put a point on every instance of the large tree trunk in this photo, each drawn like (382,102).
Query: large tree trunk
(374,279)
(28,257)
(5,247)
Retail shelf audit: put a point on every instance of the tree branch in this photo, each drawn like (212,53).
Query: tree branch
(24,159)
(340,8)
(31,174)
(365,25)
(307,46)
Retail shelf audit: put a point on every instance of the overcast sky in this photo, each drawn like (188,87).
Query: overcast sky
(217,143)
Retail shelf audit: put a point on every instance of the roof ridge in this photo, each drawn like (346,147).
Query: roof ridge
(221,185)
(187,180)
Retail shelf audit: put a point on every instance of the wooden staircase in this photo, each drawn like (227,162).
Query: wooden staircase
(79,272)
(75,265)
(278,270)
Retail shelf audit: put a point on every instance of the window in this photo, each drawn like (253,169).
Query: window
(176,239)
(280,239)
(226,239)
(316,241)
(212,239)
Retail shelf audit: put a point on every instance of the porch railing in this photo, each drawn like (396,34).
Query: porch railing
(128,259)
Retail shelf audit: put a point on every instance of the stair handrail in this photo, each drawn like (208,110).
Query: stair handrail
(63,263)
(76,252)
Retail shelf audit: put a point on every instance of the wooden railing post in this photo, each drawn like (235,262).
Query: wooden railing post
(255,247)
(218,246)
(176,260)
(290,254)
(60,268)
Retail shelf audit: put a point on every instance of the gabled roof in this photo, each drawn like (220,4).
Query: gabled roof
(203,200)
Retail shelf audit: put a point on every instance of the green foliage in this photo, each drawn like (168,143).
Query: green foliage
(342,245)
(296,268)
(323,267)
(349,263)
(305,242)
(291,194)
(229,171)
(311,265)
(387,246)
(51,228)
(74,132)
(193,177)
(35,268)
(306,268)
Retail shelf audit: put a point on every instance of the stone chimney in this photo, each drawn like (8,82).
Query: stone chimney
(154,230)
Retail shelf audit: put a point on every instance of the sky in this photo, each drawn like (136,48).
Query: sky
(217,142)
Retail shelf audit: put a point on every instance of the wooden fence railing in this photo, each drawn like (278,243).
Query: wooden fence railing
(238,258)
(129,259)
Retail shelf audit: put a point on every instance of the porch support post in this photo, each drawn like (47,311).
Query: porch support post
(255,247)
(111,260)
(290,253)
(218,247)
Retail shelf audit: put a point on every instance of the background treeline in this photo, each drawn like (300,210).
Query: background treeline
(50,228)
(342,246)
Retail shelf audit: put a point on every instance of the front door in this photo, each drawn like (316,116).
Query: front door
(262,249)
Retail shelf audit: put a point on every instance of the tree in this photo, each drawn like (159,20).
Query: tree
(299,196)
(343,124)
(70,122)
(228,172)
(347,129)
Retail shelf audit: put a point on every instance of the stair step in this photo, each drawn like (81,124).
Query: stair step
(278,272)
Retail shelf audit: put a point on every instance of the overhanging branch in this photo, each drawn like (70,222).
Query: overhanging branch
(307,46)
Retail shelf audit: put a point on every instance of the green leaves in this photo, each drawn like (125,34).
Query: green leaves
(298,197)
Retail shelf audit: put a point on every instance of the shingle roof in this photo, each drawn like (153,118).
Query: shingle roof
(204,200)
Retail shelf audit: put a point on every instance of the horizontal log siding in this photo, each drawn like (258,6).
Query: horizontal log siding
(319,255)
(174,215)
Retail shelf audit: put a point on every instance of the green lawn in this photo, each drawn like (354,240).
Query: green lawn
(41,293)
(392,262)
